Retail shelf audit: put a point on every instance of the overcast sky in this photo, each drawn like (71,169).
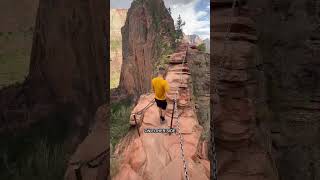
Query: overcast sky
(196,14)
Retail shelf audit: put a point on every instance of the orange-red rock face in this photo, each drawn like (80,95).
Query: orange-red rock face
(234,84)
(158,156)
(148,27)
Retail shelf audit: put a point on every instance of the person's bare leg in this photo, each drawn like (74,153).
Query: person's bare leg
(160,112)
(163,112)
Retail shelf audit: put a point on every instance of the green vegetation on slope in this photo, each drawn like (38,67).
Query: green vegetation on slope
(44,161)
(15,49)
(165,50)
(37,152)
(114,79)
(115,45)
(120,114)
(201,47)
(14,67)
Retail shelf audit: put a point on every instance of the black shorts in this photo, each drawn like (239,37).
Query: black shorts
(161,104)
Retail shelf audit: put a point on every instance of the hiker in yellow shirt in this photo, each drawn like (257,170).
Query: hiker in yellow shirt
(160,86)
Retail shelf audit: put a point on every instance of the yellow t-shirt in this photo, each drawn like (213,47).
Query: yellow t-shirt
(160,87)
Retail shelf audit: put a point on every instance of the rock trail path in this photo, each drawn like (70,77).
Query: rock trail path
(157,156)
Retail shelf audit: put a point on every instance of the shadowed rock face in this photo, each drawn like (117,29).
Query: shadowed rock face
(148,28)
(242,148)
(67,60)
(289,44)
(67,70)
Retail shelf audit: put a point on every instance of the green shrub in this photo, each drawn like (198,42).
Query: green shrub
(201,47)
(120,114)
(45,161)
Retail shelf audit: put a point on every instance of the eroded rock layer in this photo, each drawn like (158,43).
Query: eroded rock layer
(242,150)
(148,30)
(157,156)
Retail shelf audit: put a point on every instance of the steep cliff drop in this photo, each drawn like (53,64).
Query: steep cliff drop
(243,150)
(156,156)
(148,31)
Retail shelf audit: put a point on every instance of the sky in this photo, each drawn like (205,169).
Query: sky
(196,14)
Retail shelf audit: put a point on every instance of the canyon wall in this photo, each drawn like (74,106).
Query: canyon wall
(117,20)
(67,78)
(278,74)
(199,63)
(242,140)
(148,32)
(289,47)
(192,39)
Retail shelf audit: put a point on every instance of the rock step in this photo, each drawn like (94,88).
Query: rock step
(239,24)
(235,37)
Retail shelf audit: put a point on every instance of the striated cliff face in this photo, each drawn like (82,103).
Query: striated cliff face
(272,81)
(289,44)
(199,63)
(147,33)
(242,141)
(117,20)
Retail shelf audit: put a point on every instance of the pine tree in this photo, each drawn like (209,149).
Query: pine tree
(169,9)
(179,25)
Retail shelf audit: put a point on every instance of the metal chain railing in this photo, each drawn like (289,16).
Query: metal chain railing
(178,123)
(89,164)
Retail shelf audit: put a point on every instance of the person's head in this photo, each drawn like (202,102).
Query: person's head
(161,71)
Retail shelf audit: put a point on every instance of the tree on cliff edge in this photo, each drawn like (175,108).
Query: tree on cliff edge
(179,25)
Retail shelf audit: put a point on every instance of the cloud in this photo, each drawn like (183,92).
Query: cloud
(197,18)
(120,3)
(197,22)
(177,2)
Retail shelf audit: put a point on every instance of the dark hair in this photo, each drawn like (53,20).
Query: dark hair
(161,70)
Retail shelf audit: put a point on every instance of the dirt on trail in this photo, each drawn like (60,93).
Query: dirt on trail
(158,155)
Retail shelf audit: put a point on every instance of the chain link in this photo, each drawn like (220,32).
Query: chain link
(178,123)
(181,141)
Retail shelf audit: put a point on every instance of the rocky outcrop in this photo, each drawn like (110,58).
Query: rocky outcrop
(148,31)
(200,74)
(92,155)
(67,78)
(192,39)
(243,149)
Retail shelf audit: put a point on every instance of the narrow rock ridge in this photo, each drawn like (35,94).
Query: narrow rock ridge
(158,156)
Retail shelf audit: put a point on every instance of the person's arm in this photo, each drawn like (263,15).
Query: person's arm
(152,87)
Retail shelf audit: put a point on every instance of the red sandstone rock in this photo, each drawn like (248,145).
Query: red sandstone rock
(141,35)
(158,156)
(238,153)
